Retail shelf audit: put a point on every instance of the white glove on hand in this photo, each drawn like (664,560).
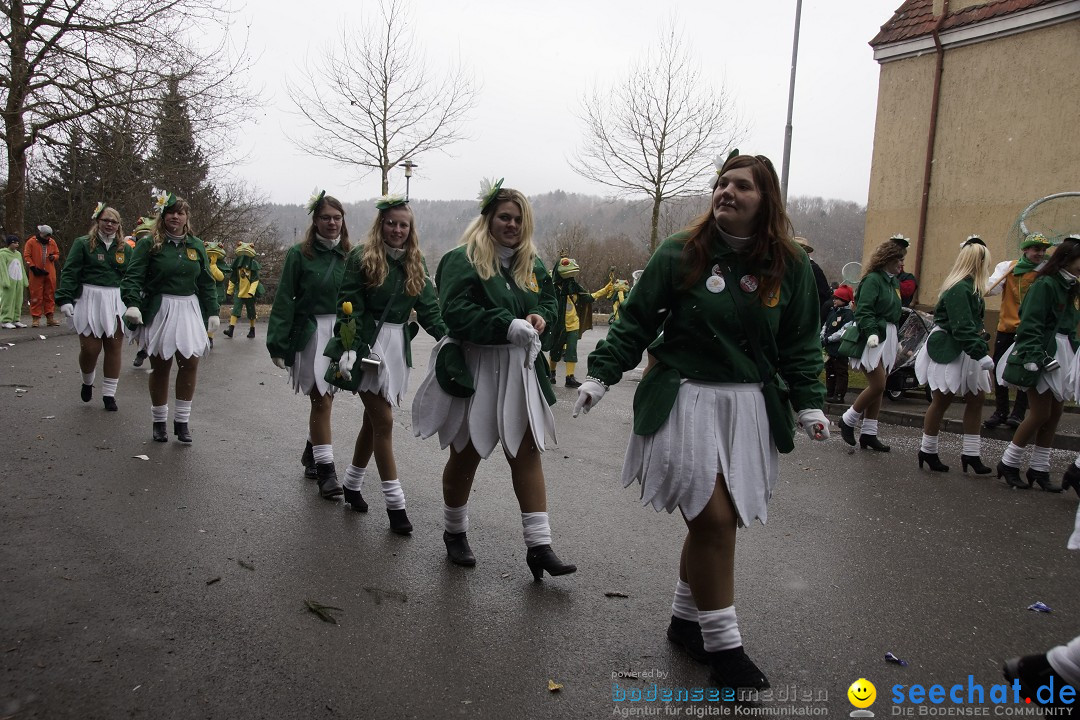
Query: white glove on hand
(986,362)
(1031,367)
(345,364)
(588,396)
(213,323)
(521,333)
(872,341)
(814,423)
(280,362)
(68,309)
(533,351)
(133,315)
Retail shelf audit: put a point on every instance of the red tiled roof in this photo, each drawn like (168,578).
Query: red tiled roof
(915,18)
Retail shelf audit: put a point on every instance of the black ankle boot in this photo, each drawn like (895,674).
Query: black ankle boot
(251,331)
(1071,479)
(932,460)
(180,429)
(399,522)
(1043,479)
(1011,475)
(1034,672)
(307,459)
(227,332)
(734,669)
(872,442)
(354,498)
(541,558)
(976,464)
(687,635)
(110,403)
(996,419)
(140,357)
(847,432)
(161,434)
(86,393)
(572,382)
(329,487)
(458,550)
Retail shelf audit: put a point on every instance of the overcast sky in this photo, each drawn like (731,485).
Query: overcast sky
(535,60)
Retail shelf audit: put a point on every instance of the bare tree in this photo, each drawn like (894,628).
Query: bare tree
(654,132)
(66,61)
(373,103)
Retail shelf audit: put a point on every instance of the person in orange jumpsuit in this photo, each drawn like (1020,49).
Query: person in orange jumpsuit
(41,253)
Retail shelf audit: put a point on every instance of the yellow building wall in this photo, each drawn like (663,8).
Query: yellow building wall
(1006,123)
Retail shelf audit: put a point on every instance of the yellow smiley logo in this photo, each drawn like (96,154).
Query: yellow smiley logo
(862,693)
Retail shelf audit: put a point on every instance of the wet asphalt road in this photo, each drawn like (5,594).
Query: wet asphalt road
(175,587)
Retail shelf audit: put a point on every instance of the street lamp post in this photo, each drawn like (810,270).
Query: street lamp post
(408,165)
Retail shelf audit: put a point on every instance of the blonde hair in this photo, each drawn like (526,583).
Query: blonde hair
(480,244)
(159,225)
(972,262)
(373,255)
(92,233)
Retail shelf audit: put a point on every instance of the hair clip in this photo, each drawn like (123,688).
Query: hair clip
(313,202)
(388,201)
(488,192)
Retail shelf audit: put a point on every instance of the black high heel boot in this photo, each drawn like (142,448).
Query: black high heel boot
(1071,479)
(933,461)
(1011,475)
(734,669)
(847,432)
(541,558)
(687,635)
(399,522)
(329,487)
(356,499)
(1043,479)
(86,393)
(458,550)
(872,442)
(180,429)
(161,433)
(308,461)
(976,464)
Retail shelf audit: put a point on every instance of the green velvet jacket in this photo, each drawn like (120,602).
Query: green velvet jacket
(959,313)
(1050,307)
(101,266)
(175,269)
(307,287)
(877,303)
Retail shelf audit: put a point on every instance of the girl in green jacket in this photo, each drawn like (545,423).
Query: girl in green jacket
(877,312)
(302,323)
(955,359)
(385,279)
(738,357)
(487,381)
(1040,362)
(172,302)
(89,295)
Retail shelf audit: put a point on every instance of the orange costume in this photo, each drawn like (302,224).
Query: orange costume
(41,257)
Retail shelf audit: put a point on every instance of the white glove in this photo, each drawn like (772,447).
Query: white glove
(588,396)
(521,333)
(1031,367)
(280,362)
(814,423)
(345,364)
(872,341)
(133,315)
(68,309)
(986,362)
(213,324)
(533,351)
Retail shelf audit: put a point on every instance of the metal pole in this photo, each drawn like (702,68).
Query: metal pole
(790,102)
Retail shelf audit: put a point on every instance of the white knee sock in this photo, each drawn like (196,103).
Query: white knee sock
(1014,456)
(108,386)
(719,629)
(536,529)
(393,494)
(323,454)
(851,417)
(929,444)
(683,605)
(160,413)
(88,378)
(1040,459)
(456,520)
(972,445)
(354,477)
(183,411)
(869,427)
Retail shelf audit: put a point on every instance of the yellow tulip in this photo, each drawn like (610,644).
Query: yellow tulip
(346,307)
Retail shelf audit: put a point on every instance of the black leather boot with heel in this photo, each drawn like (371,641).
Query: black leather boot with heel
(458,549)
(1071,479)
(975,463)
(1011,476)
(872,442)
(1042,477)
(541,558)
(933,461)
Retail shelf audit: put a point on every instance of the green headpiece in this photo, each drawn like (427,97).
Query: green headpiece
(246,249)
(721,162)
(98,210)
(1035,240)
(313,202)
(488,191)
(567,267)
(143,227)
(900,240)
(214,249)
(389,201)
(162,199)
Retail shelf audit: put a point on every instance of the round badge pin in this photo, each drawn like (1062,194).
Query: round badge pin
(748,283)
(715,283)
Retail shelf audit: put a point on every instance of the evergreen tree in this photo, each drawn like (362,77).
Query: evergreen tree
(178,163)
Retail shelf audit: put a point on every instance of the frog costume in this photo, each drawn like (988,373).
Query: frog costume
(219,268)
(13,284)
(574,318)
(244,281)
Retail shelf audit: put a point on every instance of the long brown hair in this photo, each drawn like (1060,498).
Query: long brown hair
(372,255)
(773,249)
(308,243)
(884,254)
